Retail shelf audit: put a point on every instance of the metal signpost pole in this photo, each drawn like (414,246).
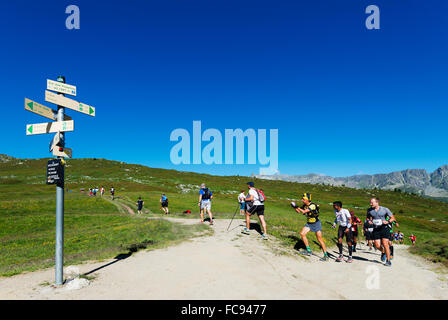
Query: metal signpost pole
(59,254)
(55,167)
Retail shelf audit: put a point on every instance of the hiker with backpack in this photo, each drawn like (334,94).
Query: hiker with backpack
(205,203)
(164,203)
(255,204)
(313,224)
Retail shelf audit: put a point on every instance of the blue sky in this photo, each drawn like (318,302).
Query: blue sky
(346,100)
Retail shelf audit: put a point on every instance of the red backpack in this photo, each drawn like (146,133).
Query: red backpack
(261,196)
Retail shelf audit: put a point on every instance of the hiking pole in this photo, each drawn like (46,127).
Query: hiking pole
(233,217)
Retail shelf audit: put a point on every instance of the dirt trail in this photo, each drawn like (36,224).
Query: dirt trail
(229,265)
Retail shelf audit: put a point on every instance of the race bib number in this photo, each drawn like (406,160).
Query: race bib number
(377,222)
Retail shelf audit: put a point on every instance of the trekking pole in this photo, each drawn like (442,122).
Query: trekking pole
(233,217)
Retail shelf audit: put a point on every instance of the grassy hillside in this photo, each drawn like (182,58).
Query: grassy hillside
(94,227)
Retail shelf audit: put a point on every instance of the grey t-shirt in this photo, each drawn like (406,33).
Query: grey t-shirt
(379,216)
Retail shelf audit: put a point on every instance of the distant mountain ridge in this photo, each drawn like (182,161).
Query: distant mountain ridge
(417,181)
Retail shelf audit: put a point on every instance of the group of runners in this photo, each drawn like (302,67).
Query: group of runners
(378,227)
(93,191)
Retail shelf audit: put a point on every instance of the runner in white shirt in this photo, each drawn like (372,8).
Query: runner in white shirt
(344,219)
(254,205)
(242,202)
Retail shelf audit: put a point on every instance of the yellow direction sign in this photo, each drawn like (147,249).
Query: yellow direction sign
(42,110)
(61,87)
(49,127)
(62,152)
(69,103)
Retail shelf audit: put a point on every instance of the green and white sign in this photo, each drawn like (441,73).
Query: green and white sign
(69,103)
(49,127)
(61,87)
(42,110)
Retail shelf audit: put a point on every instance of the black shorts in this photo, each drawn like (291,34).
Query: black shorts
(164,204)
(369,235)
(259,210)
(139,208)
(341,233)
(355,233)
(381,232)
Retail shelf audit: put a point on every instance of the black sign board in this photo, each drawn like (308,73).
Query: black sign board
(55,172)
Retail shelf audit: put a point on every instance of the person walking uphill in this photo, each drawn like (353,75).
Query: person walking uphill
(140,204)
(255,204)
(313,224)
(205,202)
(164,203)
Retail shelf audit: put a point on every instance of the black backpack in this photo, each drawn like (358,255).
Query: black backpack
(206,194)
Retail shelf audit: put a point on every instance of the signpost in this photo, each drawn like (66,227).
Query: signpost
(49,127)
(61,87)
(69,103)
(55,167)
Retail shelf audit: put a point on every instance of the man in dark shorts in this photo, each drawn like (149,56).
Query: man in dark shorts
(164,203)
(313,224)
(344,219)
(355,222)
(381,232)
(412,238)
(112,193)
(139,205)
(255,205)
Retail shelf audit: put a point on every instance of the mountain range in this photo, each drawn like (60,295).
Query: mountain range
(417,181)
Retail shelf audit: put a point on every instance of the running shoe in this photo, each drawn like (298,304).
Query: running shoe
(349,260)
(245,231)
(202,221)
(391,257)
(324,258)
(388,263)
(340,258)
(306,253)
(264,236)
(383,257)
(211,222)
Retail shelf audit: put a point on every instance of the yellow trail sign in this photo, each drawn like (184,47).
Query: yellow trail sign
(69,103)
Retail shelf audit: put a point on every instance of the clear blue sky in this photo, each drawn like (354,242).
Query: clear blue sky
(346,100)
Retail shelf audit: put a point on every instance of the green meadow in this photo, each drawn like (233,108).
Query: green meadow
(98,228)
